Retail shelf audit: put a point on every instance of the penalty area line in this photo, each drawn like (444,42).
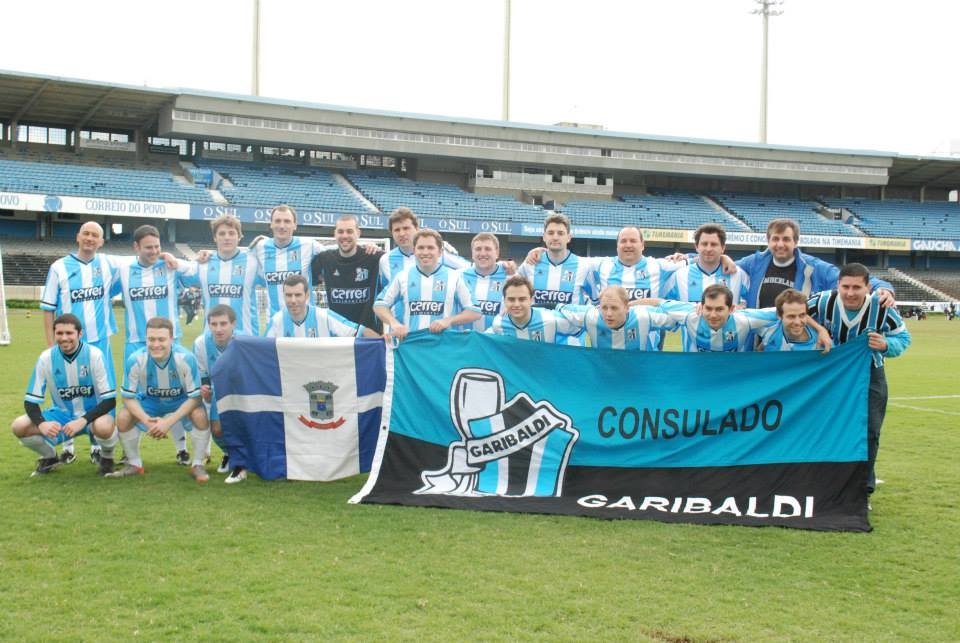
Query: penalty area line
(924,409)
(926,397)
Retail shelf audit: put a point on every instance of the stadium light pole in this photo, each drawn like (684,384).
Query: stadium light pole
(255,75)
(505,111)
(765,8)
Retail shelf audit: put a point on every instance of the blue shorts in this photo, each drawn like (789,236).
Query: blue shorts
(54,414)
(158,408)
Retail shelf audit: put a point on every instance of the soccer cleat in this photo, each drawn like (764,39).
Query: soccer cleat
(95,454)
(239,474)
(224,464)
(199,473)
(183,458)
(67,457)
(46,465)
(125,472)
(106,466)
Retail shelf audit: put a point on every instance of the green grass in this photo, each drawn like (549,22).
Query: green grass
(162,558)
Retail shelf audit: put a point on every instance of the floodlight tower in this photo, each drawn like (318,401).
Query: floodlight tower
(765,8)
(505,111)
(255,72)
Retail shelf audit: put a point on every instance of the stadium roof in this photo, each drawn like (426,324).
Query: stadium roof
(73,103)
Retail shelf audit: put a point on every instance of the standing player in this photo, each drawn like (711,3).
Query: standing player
(283,255)
(524,321)
(300,318)
(850,311)
(616,325)
(484,279)
(82,283)
(150,289)
(349,274)
(161,387)
(208,347)
(430,295)
(83,394)
(687,283)
(792,332)
(230,276)
(559,276)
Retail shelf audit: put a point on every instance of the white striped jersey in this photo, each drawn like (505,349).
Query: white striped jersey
(175,380)
(844,325)
(396,261)
(545,327)
(276,263)
(634,335)
(318,322)
(734,336)
(774,339)
(486,291)
(688,283)
(229,281)
(567,282)
(424,298)
(148,291)
(646,278)
(207,352)
(77,383)
(83,288)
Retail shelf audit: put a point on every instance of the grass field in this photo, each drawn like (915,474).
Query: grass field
(162,558)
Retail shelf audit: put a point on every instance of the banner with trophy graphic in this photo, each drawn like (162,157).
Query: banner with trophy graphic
(494,423)
(300,408)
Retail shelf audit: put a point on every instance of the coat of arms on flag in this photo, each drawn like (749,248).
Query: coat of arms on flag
(320,395)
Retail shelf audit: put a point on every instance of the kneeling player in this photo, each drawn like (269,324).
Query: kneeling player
(793,332)
(161,387)
(83,394)
(521,320)
(614,324)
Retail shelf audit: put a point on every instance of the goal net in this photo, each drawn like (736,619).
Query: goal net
(4,324)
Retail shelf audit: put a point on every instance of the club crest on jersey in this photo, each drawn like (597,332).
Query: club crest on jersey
(439,286)
(496,286)
(292,256)
(362,274)
(238,270)
(567,275)
(83,370)
(729,336)
(511,448)
(320,403)
(631,334)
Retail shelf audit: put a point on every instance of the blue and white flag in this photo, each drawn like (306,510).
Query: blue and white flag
(301,409)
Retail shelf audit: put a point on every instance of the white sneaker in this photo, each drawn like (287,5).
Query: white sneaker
(224,465)
(239,474)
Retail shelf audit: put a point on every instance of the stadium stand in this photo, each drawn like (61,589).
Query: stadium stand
(95,175)
(302,186)
(946,281)
(908,289)
(758,210)
(388,192)
(904,218)
(658,209)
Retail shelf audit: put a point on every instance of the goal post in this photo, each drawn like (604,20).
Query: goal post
(4,322)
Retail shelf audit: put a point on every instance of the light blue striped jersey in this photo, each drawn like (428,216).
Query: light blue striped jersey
(774,339)
(83,288)
(425,298)
(545,327)
(207,352)
(634,335)
(173,381)
(688,283)
(396,261)
(646,278)
(77,383)
(148,291)
(229,281)
(486,291)
(733,336)
(844,325)
(318,322)
(567,282)
(276,263)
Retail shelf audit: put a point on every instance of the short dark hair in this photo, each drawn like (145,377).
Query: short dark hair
(281,208)
(518,280)
(71,319)
(788,296)
(221,310)
(296,279)
(855,270)
(557,217)
(710,228)
(714,290)
(400,214)
(146,230)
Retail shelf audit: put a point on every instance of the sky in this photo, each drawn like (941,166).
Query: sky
(845,74)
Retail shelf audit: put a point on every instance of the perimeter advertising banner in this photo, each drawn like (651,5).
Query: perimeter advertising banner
(493,423)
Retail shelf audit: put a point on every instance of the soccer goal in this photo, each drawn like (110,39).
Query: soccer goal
(4,323)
